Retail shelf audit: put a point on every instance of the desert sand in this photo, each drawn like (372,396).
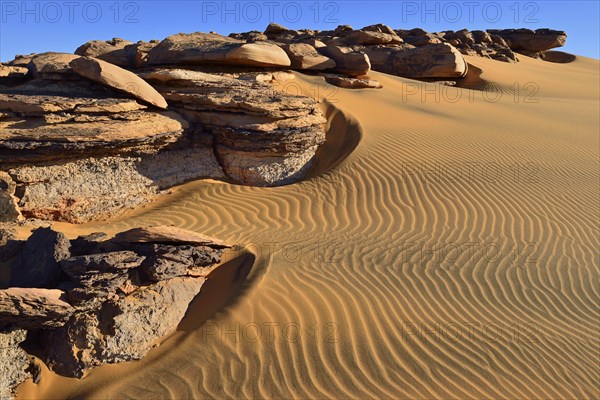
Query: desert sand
(442,249)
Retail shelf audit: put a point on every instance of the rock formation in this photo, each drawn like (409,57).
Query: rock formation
(88,135)
(114,300)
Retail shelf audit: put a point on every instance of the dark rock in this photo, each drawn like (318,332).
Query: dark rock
(37,265)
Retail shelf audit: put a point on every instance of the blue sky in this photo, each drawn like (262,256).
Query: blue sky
(37,26)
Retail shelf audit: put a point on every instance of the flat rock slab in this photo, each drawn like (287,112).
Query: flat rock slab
(167,235)
(118,78)
(34,139)
(41,104)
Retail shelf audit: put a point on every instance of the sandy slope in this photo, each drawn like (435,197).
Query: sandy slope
(453,254)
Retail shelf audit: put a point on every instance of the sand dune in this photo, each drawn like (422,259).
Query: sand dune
(447,248)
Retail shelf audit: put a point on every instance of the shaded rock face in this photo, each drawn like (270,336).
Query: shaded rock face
(15,364)
(37,265)
(477,43)
(115,299)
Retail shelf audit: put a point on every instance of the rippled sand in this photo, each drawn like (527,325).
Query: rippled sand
(451,254)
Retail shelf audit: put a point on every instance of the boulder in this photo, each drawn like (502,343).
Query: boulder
(370,38)
(210,48)
(27,308)
(37,264)
(108,272)
(72,135)
(51,65)
(117,78)
(347,61)
(432,61)
(422,40)
(275,29)
(534,41)
(304,56)
(379,28)
(112,51)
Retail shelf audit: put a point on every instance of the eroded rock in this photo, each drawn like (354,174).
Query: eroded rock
(15,364)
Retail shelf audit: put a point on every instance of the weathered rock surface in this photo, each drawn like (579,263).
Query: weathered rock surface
(370,37)
(27,308)
(210,48)
(262,136)
(37,265)
(15,364)
(121,330)
(118,298)
(9,209)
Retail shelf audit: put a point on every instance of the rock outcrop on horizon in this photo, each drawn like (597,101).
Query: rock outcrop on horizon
(82,139)
(114,300)
(86,136)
